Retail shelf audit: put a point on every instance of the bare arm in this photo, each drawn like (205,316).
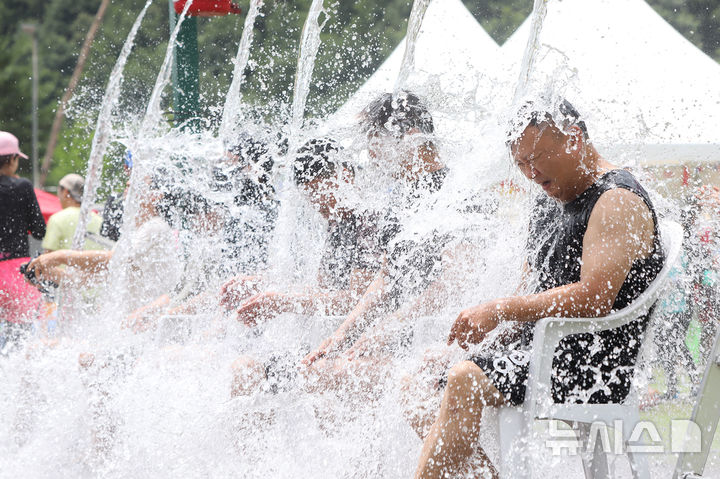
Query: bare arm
(312,301)
(620,231)
(355,323)
(87,261)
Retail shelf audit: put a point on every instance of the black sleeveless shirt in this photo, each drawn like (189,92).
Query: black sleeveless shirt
(556,239)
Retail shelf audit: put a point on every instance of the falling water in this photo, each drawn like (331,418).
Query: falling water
(408,63)
(309,46)
(103,130)
(281,257)
(167,398)
(231,110)
(153,113)
(531,50)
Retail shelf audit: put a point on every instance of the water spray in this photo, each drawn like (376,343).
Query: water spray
(231,111)
(103,131)
(413,30)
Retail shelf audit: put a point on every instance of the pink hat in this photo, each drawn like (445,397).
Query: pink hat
(9,145)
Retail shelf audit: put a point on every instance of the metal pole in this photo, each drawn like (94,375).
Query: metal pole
(186,85)
(32,30)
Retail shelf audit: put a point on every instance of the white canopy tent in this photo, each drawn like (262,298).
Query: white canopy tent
(454,59)
(645,90)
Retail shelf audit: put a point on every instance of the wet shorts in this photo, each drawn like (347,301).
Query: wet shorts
(507,370)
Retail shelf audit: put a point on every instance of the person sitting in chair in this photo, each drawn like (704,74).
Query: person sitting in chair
(594,249)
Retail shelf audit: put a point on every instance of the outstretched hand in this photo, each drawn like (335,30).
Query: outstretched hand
(363,347)
(238,289)
(473,324)
(328,347)
(139,320)
(45,266)
(262,306)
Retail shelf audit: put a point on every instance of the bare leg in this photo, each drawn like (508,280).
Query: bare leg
(248,376)
(420,403)
(421,394)
(452,440)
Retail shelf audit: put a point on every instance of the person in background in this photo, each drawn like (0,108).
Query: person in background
(707,284)
(112,218)
(19,209)
(62,225)
(675,315)
(19,215)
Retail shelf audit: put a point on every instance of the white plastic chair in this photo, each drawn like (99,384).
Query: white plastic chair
(515,424)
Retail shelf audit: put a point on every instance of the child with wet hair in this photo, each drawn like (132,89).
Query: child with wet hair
(348,262)
(400,132)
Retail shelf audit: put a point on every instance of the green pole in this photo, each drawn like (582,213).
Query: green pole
(186,85)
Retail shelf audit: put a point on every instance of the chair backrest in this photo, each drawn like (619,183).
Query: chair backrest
(671,236)
(549,331)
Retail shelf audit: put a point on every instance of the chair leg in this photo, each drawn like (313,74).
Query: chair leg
(595,463)
(513,433)
(638,461)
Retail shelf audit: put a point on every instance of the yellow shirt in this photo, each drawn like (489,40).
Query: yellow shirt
(61,229)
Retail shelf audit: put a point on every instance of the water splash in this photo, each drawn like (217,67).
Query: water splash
(414,23)
(309,46)
(172,403)
(531,50)
(289,214)
(152,118)
(231,111)
(153,112)
(103,130)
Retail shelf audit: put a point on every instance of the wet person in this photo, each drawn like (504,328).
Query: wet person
(594,248)
(144,264)
(250,219)
(112,214)
(147,260)
(350,258)
(19,215)
(246,219)
(399,130)
(62,225)
(351,255)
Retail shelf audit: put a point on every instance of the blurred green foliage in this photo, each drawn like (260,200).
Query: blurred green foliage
(356,39)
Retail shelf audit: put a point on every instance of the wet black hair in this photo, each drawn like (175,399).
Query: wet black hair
(528,115)
(318,159)
(396,115)
(250,150)
(176,198)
